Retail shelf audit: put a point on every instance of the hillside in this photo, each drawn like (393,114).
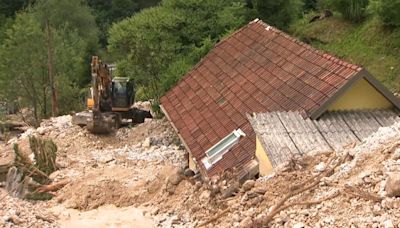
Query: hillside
(368,44)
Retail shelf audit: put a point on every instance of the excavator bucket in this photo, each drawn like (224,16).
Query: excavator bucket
(102,123)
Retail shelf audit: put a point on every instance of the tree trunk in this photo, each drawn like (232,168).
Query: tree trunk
(50,64)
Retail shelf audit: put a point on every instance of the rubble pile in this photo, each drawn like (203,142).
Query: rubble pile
(15,212)
(358,186)
(144,166)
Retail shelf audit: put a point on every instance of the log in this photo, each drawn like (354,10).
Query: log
(9,125)
(52,187)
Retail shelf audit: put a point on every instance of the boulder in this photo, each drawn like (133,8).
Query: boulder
(245,223)
(146,143)
(392,187)
(249,184)
(175,178)
(229,191)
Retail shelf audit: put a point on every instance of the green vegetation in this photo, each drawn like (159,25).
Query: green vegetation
(279,13)
(352,10)
(387,10)
(368,44)
(159,45)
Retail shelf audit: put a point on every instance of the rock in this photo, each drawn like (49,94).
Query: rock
(188,172)
(155,211)
(247,222)
(229,191)
(320,167)
(299,225)
(388,224)
(396,154)
(205,196)
(146,143)
(215,189)
(392,186)
(249,184)
(198,185)
(175,179)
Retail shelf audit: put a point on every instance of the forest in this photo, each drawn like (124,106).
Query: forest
(46,45)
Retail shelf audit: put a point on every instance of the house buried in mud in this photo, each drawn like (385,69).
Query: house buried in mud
(259,69)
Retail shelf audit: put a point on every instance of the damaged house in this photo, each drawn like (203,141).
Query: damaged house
(259,69)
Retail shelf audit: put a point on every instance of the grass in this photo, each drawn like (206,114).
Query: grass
(367,44)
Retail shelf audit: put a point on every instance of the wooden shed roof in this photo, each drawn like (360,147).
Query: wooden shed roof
(285,135)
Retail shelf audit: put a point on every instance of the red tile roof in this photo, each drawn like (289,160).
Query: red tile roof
(256,69)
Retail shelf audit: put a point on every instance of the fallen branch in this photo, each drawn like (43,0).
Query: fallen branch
(300,188)
(308,203)
(52,187)
(215,218)
(353,191)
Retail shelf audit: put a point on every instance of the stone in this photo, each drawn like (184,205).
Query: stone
(392,186)
(247,222)
(320,167)
(299,225)
(229,191)
(215,189)
(388,224)
(175,179)
(146,143)
(248,185)
(205,196)
(396,154)
(155,211)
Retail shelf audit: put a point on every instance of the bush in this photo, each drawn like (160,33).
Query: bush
(279,13)
(387,10)
(352,10)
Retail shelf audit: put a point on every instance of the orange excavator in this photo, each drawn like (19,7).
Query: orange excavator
(111,100)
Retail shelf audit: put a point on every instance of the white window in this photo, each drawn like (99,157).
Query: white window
(215,153)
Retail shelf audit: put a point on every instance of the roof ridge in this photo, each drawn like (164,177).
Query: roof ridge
(323,54)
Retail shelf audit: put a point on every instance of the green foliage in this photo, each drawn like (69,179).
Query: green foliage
(45,153)
(22,63)
(111,11)
(9,8)
(352,10)
(68,15)
(368,44)
(158,45)
(71,30)
(279,13)
(310,5)
(387,10)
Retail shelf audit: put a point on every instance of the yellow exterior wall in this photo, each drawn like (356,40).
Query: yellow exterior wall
(264,164)
(192,165)
(361,95)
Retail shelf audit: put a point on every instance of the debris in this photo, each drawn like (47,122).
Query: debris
(249,184)
(393,184)
(320,167)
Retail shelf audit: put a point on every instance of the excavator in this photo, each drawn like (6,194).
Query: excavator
(111,100)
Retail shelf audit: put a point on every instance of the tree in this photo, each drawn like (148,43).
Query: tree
(42,58)
(352,10)
(67,15)
(22,69)
(9,8)
(387,11)
(279,13)
(109,12)
(158,45)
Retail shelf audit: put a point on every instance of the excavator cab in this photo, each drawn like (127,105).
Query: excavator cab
(123,94)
